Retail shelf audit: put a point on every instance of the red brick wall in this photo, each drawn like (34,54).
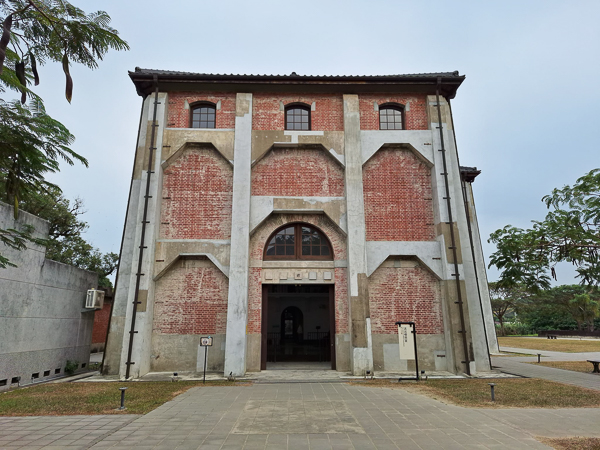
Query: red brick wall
(179,116)
(197,196)
(327,116)
(100,328)
(257,245)
(398,197)
(415,119)
(405,294)
(254,306)
(341,300)
(298,173)
(191,300)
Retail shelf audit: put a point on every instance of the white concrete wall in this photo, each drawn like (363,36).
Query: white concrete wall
(43,322)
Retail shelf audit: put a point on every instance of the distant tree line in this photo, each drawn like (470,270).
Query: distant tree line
(567,307)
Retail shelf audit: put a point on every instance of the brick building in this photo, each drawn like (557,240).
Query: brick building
(298,218)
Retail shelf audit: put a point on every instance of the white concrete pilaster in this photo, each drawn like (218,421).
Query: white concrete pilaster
(237,302)
(361,356)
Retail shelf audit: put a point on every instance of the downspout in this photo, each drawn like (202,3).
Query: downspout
(456,274)
(468,213)
(139,274)
(112,306)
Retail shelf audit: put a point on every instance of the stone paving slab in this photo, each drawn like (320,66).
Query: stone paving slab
(341,417)
(59,432)
(302,416)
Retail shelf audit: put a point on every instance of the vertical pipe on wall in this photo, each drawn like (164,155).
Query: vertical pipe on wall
(456,274)
(139,273)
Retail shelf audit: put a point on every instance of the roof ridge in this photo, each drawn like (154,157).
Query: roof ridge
(139,70)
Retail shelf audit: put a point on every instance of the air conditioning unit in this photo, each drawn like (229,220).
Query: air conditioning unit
(94,299)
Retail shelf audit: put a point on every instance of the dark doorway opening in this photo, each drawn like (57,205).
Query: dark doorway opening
(298,324)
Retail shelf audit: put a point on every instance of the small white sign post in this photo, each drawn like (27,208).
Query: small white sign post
(407,339)
(205,342)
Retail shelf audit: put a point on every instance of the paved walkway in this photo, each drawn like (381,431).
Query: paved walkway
(517,365)
(551,356)
(304,416)
(59,432)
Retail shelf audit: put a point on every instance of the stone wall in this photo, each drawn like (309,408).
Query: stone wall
(42,315)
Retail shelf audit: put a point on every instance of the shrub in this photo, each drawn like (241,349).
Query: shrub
(71,367)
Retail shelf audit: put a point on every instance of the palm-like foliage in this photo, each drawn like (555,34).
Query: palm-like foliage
(32,144)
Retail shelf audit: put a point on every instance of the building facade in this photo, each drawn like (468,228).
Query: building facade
(298,218)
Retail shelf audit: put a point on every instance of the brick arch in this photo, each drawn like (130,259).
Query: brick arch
(257,243)
(298,172)
(260,237)
(196,196)
(398,197)
(304,224)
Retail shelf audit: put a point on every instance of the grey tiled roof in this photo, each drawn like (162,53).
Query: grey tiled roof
(139,71)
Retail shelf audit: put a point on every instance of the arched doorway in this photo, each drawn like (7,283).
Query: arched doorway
(292,329)
(298,313)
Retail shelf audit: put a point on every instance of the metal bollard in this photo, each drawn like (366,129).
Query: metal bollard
(492,388)
(539,356)
(123,389)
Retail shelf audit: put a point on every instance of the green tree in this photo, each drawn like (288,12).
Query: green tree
(569,233)
(66,243)
(32,144)
(505,300)
(565,307)
(584,311)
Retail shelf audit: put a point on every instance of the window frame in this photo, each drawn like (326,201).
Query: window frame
(296,105)
(395,107)
(298,244)
(202,104)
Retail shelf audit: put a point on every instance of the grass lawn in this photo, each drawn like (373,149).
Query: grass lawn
(93,398)
(576,443)
(510,392)
(577,366)
(554,345)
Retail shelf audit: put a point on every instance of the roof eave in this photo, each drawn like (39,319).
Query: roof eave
(144,83)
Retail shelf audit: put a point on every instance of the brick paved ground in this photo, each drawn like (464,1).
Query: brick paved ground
(308,416)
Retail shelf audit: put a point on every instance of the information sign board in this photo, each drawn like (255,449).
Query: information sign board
(406,338)
(206,341)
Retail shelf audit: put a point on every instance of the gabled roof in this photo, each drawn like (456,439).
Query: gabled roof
(176,80)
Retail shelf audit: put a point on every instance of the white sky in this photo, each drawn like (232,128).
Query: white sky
(526,115)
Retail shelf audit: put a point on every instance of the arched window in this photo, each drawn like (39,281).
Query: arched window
(391,117)
(203,115)
(298,241)
(297,117)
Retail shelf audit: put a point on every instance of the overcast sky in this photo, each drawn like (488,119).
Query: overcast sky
(526,115)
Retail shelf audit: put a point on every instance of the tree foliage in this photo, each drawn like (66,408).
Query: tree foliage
(569,233)
(505,300)
(32,144)
(65,242)
(39,31)
(565,307)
